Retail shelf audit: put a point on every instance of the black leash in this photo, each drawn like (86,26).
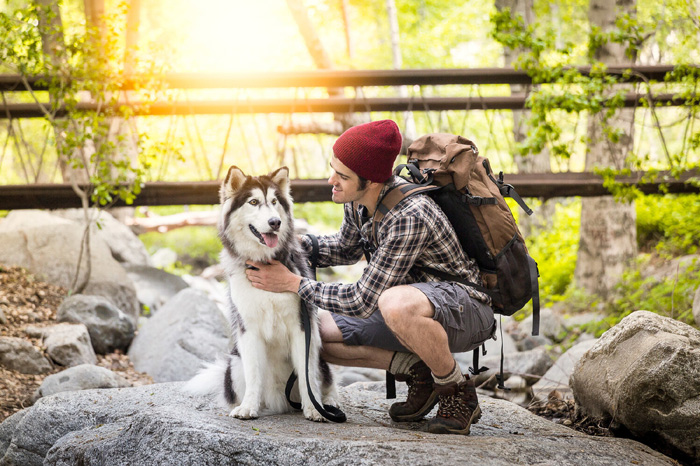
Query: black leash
(331,413)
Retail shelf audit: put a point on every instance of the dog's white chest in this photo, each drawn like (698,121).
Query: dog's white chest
(273,316)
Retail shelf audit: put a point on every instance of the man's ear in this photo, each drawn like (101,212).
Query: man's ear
(281,178)
(234,180)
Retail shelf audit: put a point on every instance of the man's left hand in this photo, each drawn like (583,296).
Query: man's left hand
(273,277)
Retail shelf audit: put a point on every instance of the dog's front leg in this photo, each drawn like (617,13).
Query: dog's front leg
(252,351)
(299,361)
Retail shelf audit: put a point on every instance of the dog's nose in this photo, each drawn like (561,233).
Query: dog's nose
(275,223)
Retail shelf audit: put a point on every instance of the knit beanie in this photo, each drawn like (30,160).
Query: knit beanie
(370,149)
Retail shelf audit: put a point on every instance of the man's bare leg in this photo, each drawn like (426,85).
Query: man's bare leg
(409,315)
(335,351)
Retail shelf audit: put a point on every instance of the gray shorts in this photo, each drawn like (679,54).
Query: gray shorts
(467,321)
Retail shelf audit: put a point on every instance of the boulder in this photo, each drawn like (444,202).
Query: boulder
(66,344)
(154,287)
(696,307)
(557,377)
(552,325)
(159,424)
(109,328)
(20,355)
(82,377)
(187,331)
(644,374)
(49,247)
(126,247)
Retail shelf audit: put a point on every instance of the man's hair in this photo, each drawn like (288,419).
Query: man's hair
(362,182)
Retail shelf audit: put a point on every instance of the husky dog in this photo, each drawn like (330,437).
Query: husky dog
(256,224)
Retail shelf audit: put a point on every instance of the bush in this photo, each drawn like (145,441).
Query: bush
(554,249)
(669,225)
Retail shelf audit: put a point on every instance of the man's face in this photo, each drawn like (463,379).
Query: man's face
(345,182)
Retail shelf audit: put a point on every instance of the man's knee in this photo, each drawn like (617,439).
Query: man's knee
(403,302)
(328,328)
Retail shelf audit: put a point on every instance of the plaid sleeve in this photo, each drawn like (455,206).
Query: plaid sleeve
(342,248)
(402,244)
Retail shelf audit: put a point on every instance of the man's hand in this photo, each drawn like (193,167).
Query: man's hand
(273,277)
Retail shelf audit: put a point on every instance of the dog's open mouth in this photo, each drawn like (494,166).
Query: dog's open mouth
(268,239)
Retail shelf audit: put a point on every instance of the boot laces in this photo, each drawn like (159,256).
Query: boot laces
(453,406)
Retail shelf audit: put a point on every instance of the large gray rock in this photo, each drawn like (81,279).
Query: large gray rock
(159,424)
(696,307)
(109,328)
(66,344)
(125,245)
(644,374)
(557,377)
(173,344)
(49,247)
(154,287)
(82,377)
(19,355)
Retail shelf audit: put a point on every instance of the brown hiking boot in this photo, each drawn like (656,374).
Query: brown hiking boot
(458,408)
(421,395)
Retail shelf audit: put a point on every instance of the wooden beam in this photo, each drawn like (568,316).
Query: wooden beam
(330,105)
(351,78)
(59,196)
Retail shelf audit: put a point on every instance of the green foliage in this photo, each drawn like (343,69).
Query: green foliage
(197,247)
(669,296)
(554,249)
(325,217)
(88,61)
(669,224)
(548,55)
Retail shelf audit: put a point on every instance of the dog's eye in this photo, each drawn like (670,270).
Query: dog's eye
(274,202)
(254,202)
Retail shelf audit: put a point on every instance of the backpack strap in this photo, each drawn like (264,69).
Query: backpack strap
(534,274)
(392,198)
(506,189)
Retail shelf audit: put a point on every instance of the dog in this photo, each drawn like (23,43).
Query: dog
(256,223)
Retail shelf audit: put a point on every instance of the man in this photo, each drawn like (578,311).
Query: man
(396,316)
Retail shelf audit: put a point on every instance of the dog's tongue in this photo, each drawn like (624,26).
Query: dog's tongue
(270,239)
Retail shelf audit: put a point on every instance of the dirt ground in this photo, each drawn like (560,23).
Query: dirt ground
(25,301)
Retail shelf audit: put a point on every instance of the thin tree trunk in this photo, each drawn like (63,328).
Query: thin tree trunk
(323,61)
(53,45)
(608,238)
(530,163)
(397,61)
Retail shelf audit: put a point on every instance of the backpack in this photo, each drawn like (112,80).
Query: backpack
(448,168)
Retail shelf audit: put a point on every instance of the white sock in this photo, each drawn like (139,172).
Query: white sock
(402,362)
(455,376)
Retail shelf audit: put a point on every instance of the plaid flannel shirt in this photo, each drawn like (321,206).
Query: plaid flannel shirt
(415,233)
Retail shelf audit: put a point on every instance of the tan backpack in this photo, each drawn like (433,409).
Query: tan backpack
(448,168)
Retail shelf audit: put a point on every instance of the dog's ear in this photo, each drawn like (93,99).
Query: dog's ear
(234,180)
(281,178)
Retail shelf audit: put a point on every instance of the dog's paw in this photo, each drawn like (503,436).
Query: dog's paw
(244,412)
(311,414)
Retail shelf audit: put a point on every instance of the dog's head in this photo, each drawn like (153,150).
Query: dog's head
(256,215)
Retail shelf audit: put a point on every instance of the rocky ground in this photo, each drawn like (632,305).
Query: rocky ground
(24,301)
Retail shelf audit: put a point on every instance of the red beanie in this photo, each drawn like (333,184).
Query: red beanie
(370,149)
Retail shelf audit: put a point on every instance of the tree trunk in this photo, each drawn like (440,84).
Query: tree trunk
(53,45)
(608,238)
(323,61)
(409,132)
(530,163)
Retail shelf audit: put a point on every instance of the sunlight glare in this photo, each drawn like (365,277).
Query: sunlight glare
(239,36)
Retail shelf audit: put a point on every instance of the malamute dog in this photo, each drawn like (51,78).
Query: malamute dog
(256,224)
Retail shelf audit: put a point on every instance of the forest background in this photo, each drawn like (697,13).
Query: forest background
(592,252)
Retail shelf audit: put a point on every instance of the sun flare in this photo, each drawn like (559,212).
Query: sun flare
(238,36)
